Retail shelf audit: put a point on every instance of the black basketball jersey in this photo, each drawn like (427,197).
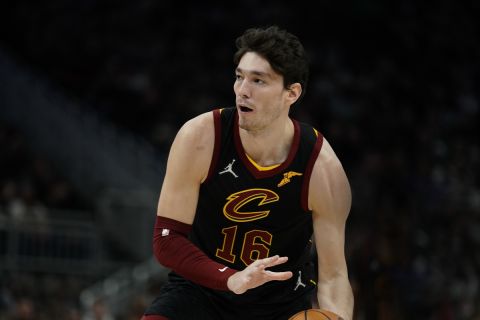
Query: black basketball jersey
(245,212)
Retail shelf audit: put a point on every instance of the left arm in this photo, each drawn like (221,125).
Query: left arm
(330,201)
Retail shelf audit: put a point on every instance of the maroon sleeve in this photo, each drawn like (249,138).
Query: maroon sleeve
(174,250)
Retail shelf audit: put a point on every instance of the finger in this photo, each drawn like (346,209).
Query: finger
(259,263)
(275,260)
(280,276)
(269,260)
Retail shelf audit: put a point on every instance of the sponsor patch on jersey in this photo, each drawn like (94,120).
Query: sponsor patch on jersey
(287,176)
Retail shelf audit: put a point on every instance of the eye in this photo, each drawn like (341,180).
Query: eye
(238,77)
(259,81)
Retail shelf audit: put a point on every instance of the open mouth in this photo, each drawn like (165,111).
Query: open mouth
(245,109)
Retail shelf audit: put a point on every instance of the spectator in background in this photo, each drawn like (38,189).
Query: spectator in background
(100,311)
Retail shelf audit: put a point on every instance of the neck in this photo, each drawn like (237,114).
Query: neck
(271,145)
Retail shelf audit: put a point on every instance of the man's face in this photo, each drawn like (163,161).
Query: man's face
(260,95)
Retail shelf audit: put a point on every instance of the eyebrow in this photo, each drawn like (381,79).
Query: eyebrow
(255,72)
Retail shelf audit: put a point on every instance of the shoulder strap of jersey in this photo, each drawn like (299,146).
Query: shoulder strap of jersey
(221,120)
(316,139)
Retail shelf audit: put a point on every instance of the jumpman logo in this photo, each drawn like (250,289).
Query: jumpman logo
(229,169)
(299,281)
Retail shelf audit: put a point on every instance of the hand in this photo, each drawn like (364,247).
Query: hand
(255,274)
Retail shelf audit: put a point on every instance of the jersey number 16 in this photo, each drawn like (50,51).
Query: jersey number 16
(256,245)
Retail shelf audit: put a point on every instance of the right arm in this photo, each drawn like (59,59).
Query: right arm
(187,166)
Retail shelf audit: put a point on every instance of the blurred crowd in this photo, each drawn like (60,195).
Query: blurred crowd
(394,88)
(29,182)
(30,188)
(48,296)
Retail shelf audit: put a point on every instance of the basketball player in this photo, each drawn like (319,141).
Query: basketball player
(245,189)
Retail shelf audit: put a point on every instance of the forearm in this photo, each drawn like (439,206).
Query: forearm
(174,250)
(336,295)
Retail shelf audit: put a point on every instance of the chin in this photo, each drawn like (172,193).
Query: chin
(250,127)
(245,125)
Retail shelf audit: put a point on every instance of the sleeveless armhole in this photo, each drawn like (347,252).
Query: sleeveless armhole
(217,123)
(308,171)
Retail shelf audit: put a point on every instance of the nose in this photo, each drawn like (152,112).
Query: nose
(243,89)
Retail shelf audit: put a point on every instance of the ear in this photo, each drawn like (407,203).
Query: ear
(293,92)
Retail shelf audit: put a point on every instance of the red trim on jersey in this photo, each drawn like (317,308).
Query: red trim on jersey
(217,122)
(266,173)
(174,250)
(308,171)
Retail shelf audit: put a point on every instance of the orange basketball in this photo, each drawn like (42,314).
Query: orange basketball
(314,314)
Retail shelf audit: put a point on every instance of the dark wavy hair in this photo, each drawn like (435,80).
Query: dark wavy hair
(281,49)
